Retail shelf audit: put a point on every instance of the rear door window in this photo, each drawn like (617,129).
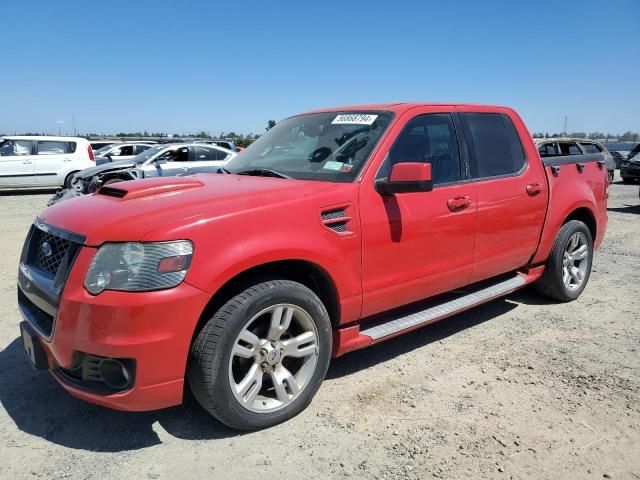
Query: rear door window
(207,153)
(141,148)
(591,148)
(127,150)
(548,150)
(494,144)
(46,147)
(570,148)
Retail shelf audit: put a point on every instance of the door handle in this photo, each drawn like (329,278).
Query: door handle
(458,203)
(27,162)
(66,160)
(534,189)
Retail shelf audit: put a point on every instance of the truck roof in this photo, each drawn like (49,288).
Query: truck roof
(400,107)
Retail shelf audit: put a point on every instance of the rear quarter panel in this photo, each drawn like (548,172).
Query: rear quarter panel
(569,191)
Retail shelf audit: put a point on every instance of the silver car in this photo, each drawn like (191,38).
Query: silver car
(158,161)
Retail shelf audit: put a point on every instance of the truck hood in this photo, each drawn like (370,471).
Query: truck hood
(127,211)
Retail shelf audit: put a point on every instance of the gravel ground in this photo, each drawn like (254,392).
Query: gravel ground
(518,388)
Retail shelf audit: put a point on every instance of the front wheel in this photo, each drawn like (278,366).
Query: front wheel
(569,266)
(260,359)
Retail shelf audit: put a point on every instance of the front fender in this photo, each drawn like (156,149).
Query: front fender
(228,246)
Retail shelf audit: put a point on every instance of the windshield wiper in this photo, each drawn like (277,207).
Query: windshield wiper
(263,172)
(223,170)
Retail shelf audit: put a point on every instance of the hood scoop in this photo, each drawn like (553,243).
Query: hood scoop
(145,188)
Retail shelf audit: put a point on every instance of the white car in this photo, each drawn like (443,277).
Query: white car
(158,161)
(35,161)
(119,151)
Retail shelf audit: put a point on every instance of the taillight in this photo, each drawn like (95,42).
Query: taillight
(90,152)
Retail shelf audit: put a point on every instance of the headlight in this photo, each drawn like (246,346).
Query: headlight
(138,267)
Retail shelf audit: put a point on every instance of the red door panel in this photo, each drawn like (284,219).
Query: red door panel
(416,245)
(509,223)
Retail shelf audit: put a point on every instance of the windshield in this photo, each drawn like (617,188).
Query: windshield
(147,154)
(329,146)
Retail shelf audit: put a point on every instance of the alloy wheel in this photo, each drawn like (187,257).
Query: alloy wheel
(273,358)
(575,261)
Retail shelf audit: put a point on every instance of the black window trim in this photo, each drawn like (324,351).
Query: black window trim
(456,130)
(469,143)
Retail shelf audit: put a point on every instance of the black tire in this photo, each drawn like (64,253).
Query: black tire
(628,181)
(208,369)
(67,181)
(551,283)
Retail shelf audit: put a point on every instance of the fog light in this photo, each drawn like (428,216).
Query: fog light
(114,374)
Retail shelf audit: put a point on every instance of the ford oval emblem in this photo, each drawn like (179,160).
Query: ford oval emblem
(46,249)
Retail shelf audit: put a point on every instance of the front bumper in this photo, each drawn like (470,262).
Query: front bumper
(154,329)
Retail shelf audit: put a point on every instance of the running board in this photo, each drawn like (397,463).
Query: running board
(445,309)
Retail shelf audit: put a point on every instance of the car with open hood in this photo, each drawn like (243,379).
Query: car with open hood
(154,161)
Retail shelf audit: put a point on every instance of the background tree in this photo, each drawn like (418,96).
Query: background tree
(270,124)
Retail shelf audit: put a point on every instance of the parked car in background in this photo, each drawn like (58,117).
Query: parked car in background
(98,144)
(621,150)
(157,161)
(335,230)
(37,161)
(120,151)
(634,153)
(554,147)
(228,144)
(630,169)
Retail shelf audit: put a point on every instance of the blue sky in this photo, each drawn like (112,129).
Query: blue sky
(213,66)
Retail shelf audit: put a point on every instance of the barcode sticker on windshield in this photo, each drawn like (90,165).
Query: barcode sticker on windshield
(354,119)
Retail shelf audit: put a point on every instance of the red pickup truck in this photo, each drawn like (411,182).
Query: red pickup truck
(335,230)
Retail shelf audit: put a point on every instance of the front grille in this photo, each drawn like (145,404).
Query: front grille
(45,263)
(36,316)
(50,251)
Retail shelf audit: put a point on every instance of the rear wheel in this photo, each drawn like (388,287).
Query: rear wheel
(628,181)
(569,266)
(262,356)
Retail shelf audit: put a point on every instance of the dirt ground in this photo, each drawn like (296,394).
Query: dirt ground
(519,388)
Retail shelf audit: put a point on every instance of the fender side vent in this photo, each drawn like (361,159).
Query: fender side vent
(336,219)
(332,214)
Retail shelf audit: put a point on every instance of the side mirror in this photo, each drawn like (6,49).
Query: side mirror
(406,178)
